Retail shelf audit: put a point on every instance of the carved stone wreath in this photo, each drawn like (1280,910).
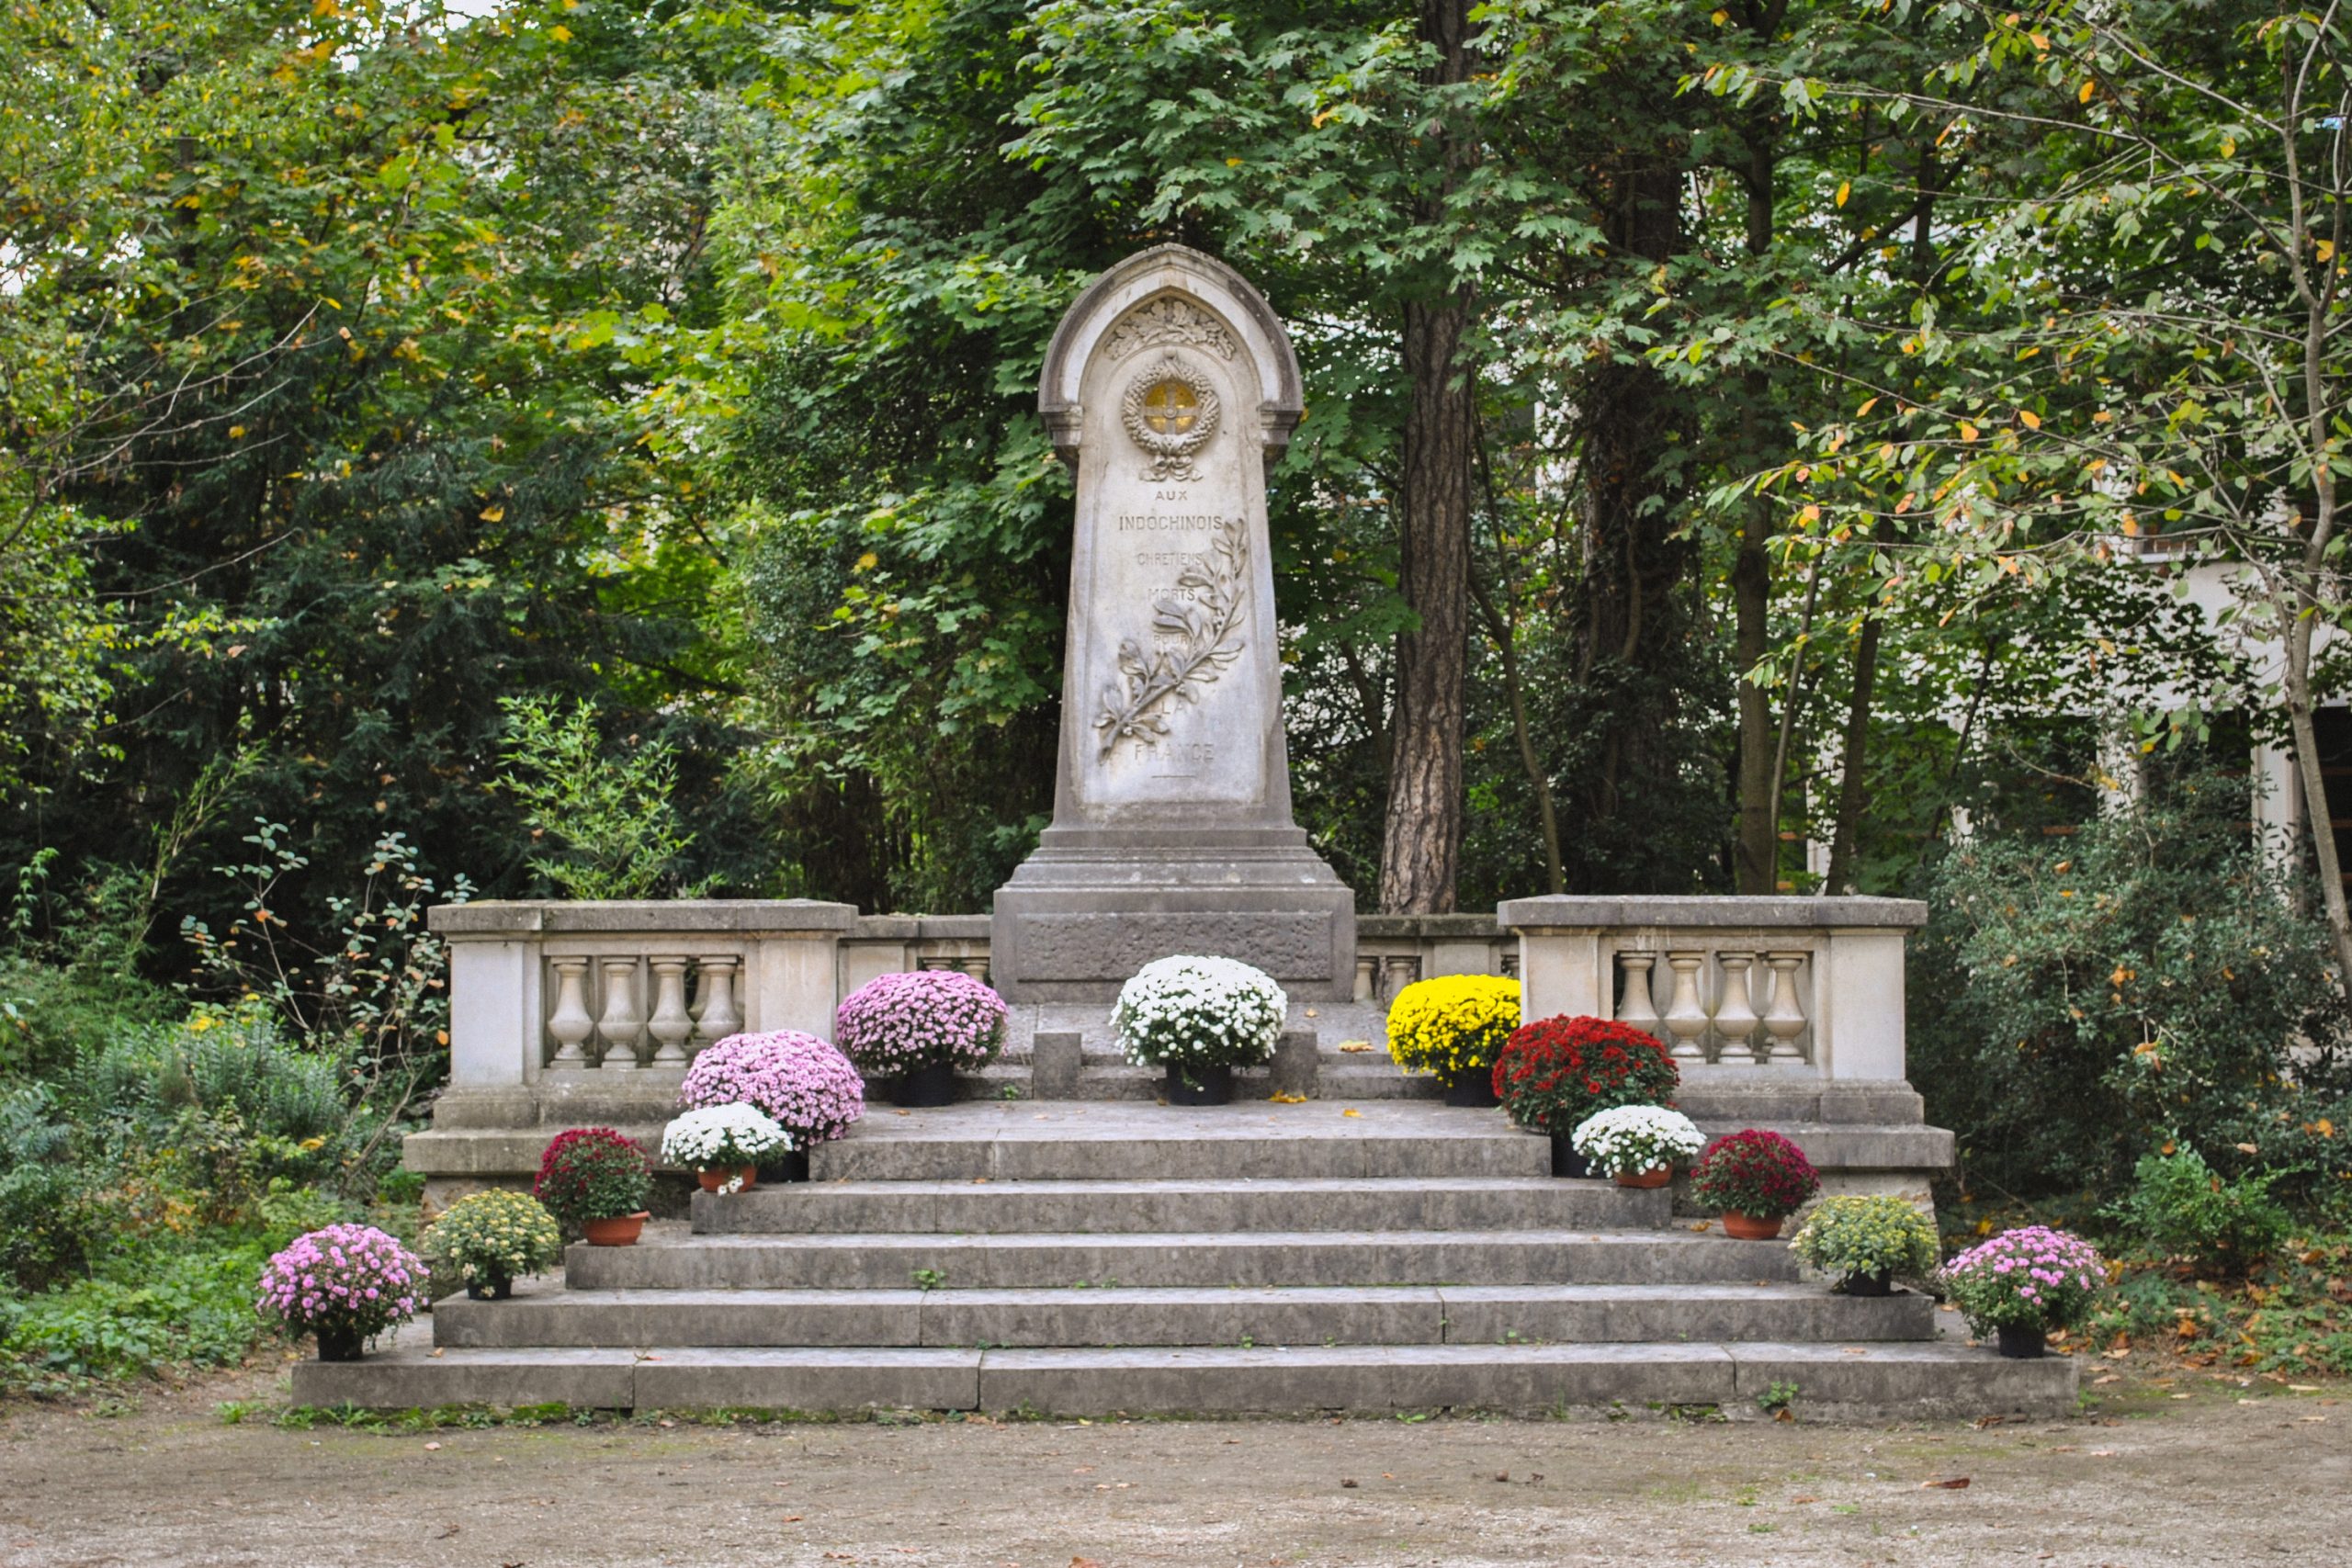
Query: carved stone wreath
(1172,433)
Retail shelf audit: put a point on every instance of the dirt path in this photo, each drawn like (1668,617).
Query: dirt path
(2148,1479)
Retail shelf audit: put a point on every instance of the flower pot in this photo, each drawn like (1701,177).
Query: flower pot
(486,1290)
(617,1230)
(2019,1341)
(779,1168)
(1869,1285)
(933,1085)
(1655,1176)
(1750,1227)
(712,1180)
(1209,1086)
(1566,1161)
(1474,1089)
(340,1344)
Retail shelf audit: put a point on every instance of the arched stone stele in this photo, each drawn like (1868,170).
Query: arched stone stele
(1171,387)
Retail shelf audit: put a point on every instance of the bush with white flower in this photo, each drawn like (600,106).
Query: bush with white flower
(1631,1139)
(723,1137)
(1186,1012)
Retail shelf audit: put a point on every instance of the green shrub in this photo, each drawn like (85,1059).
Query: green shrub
(2147,979)
(51,1221)
(286,1211)
(2182,1208)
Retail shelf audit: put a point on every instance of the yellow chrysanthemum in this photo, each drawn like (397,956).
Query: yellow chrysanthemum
(1453,1025)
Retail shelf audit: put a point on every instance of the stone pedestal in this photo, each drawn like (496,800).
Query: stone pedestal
(1170,386)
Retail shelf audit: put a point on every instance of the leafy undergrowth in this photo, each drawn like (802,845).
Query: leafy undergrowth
(2291,1318)
(147,1311)
(2288,1317)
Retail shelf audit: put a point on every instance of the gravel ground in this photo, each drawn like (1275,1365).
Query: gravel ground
(2199,1471)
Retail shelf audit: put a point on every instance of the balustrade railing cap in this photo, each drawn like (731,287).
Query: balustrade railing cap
(1466,928)
(1573,913)
(920,927)
(493,917)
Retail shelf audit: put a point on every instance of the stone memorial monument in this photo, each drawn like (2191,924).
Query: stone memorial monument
(1171,387)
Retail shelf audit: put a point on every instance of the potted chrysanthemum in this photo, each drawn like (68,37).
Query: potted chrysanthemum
(920,1031)
(344,1283)
(797,1081)
(1868,1241)
(1638,1145)
(2023,1283)
(490,1238)
(596,1180)
(1555,1073)
(1454,1026)
(1757,1177)
(1199,1019)
(723,1145)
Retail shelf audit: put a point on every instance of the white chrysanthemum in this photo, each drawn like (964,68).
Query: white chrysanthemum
(721,1136)
(1199,1011)
(1631,1139)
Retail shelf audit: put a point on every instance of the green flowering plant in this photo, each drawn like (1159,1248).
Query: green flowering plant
(1851,1235)
(490,1238)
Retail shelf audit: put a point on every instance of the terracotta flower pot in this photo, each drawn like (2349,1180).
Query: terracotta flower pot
(1655,1176)
(1749,1227)
(617,1230)
(712,1180)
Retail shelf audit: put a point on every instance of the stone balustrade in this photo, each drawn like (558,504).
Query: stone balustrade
(1733,985)
(558,991)
(563,991)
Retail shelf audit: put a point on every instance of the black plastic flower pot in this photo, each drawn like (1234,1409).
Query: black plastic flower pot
(487,1291)
(1474,1089)
(1869,1285)
(2019,1341)
(792,1167)
(340,1344)
(1200,1086)
(1566,1161)
(927,1085)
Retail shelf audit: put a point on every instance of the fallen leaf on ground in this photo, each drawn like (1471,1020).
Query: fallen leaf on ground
(1352,1046)
(1351,1113)
(1957,1483)
(1348,1482)
(1804,1499)
(1287,1099)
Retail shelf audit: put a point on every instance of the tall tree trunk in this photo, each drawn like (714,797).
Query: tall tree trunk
(1631,424)
(1853,798)
(1421,841)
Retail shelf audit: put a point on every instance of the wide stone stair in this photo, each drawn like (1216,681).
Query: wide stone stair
(1084,1258)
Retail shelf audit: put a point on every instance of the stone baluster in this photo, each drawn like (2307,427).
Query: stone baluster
(1403,970)
(1367,978)
(1636,1010)
(716,1014)
(618,1026)
(1509,963)
(977,967)
(671,1024)
(1736,1017)
(1685,1015)
(571,1024)
(1784,1020)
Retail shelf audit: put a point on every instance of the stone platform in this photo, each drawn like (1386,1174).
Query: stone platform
(1084,1258)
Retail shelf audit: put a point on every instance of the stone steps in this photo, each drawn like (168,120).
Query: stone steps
(1079,1141)
(1452,1202)
(1384,1315)
(1881,1380)
(670,1261)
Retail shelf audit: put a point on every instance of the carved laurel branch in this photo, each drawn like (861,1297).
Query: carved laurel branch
(1210,627)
